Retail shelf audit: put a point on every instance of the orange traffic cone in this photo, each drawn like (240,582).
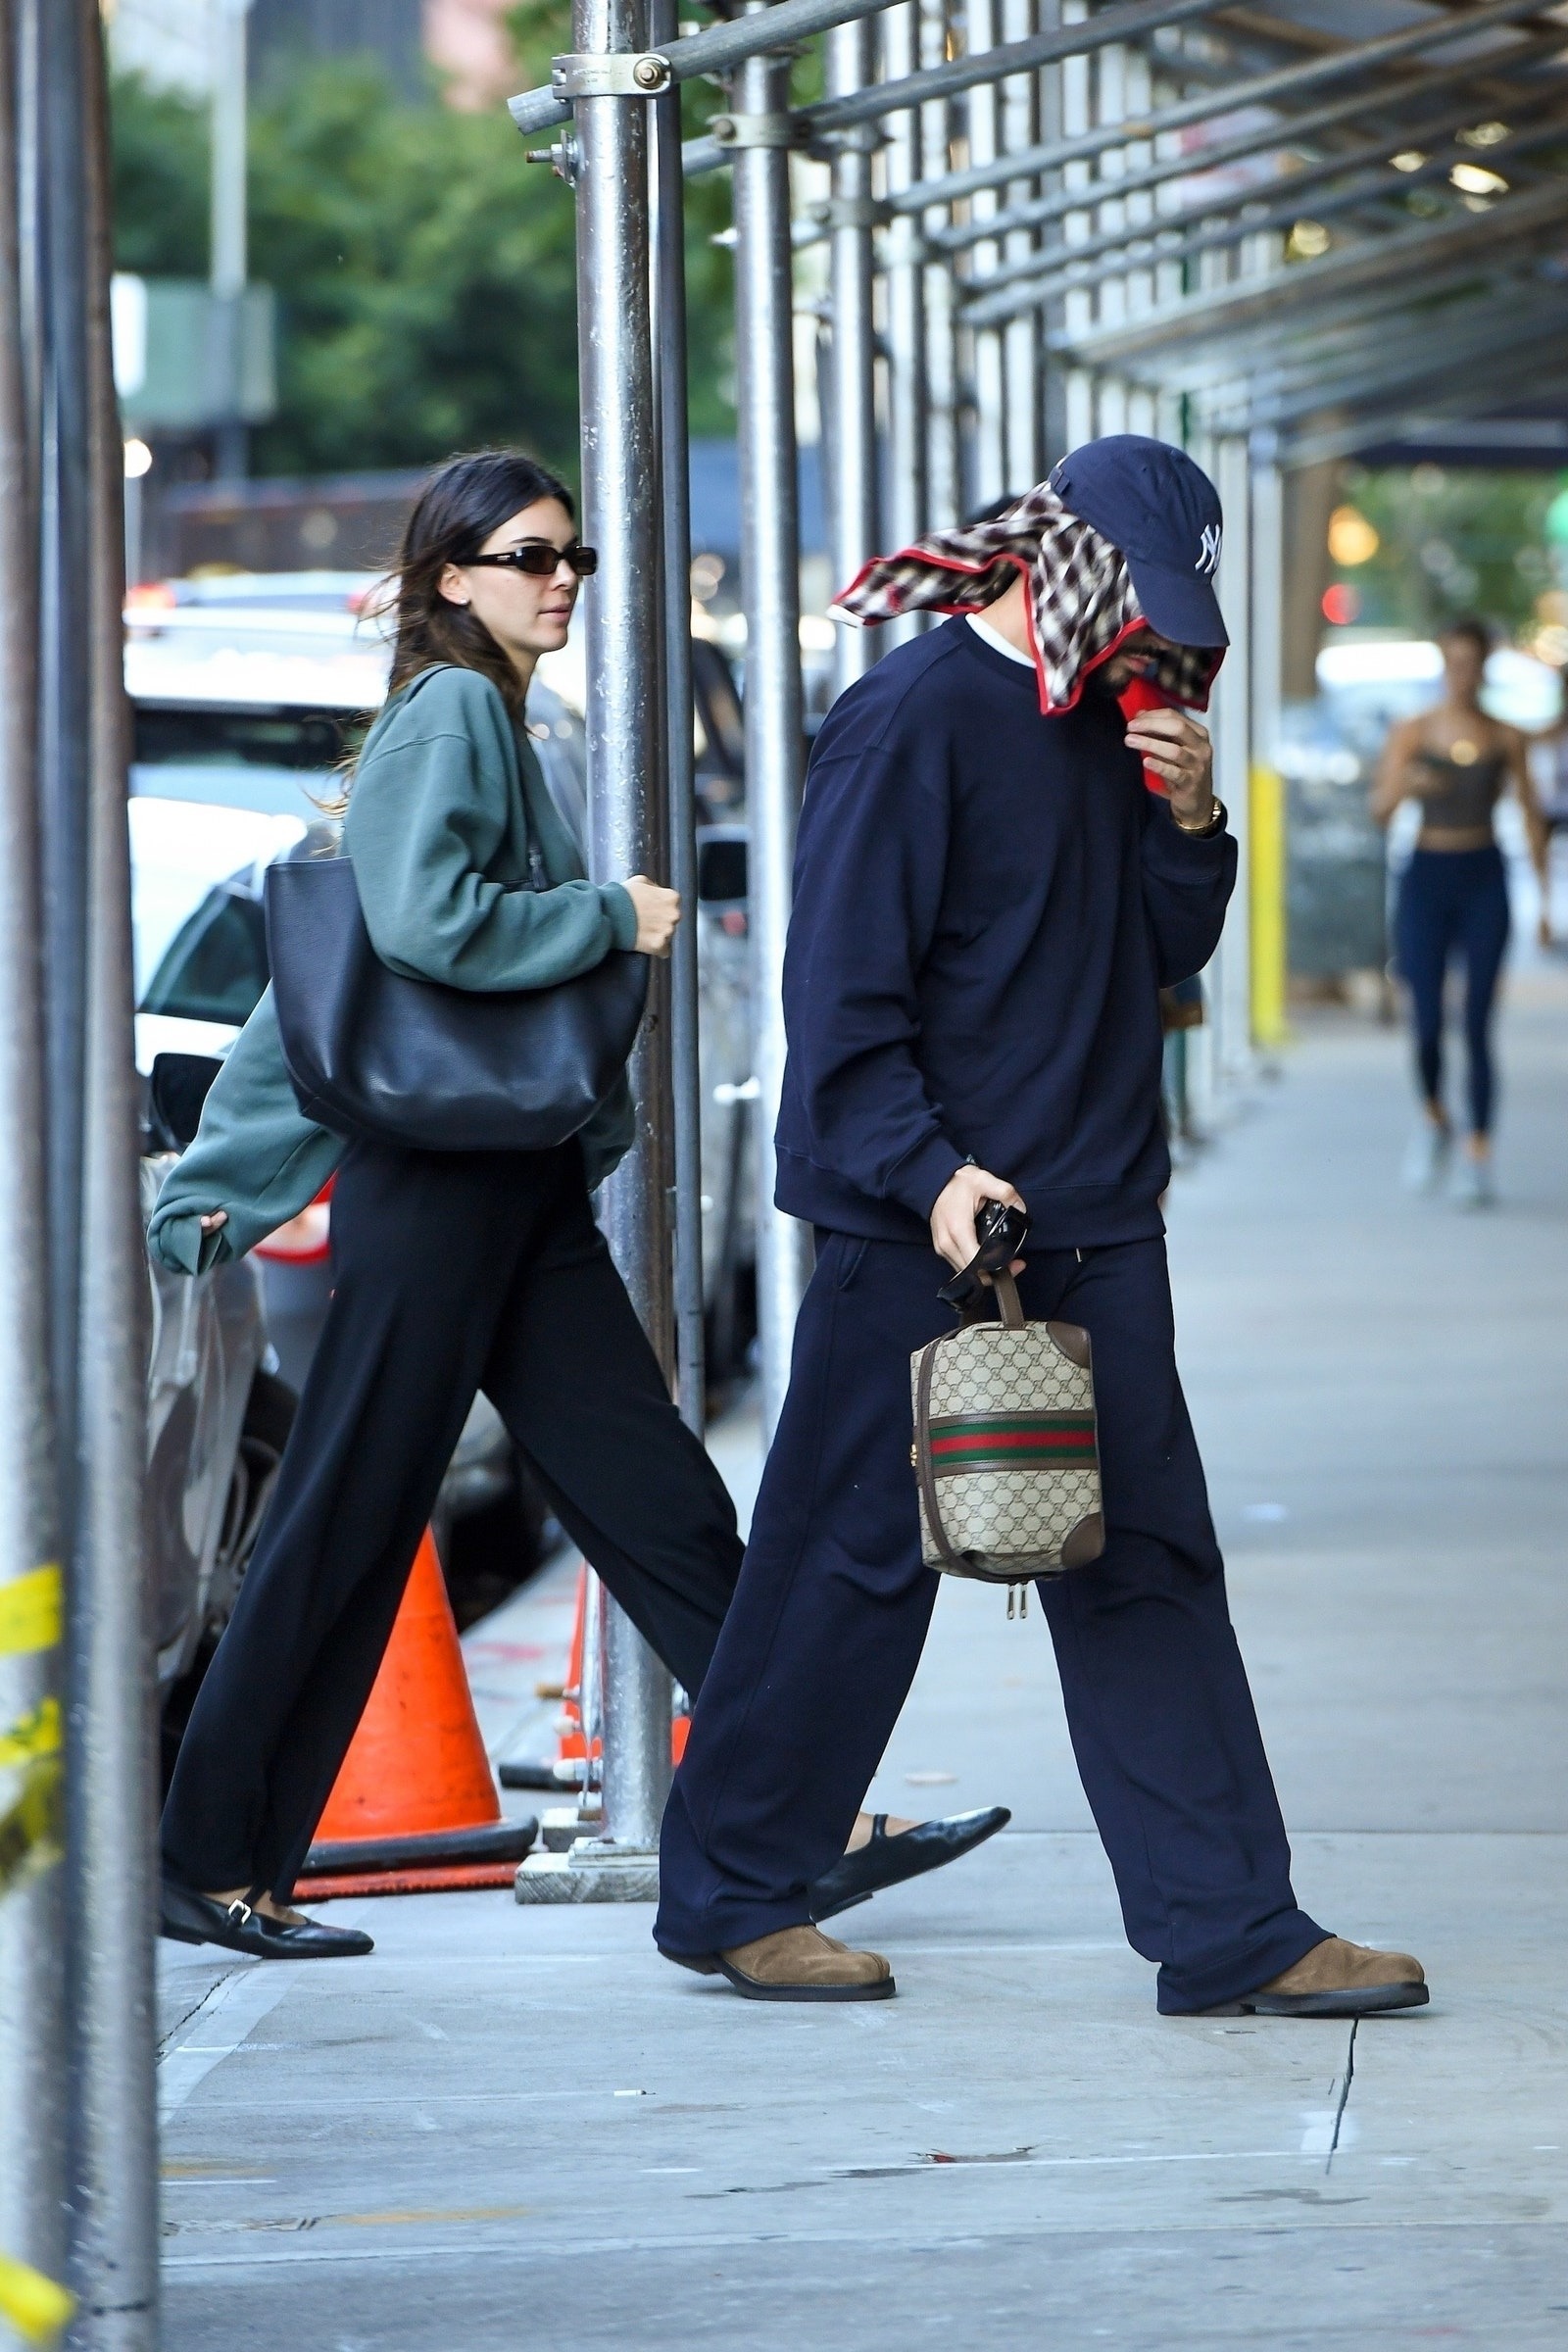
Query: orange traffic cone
(572,1746)
(415,1807)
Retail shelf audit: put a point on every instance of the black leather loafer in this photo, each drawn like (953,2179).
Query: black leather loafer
(310,1940)
(187,1916)
(885,1861)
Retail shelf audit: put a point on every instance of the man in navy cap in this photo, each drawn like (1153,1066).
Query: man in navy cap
(987,898)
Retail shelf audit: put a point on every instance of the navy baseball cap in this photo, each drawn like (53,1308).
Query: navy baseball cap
(1163,512)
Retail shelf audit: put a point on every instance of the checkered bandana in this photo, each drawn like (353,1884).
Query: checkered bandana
(1082,599)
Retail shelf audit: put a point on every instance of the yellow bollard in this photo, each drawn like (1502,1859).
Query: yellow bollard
(36,2307)
(1268,862)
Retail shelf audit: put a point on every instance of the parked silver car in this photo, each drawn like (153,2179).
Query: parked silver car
(218,1419)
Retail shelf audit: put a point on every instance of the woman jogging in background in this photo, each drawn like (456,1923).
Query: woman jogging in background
(453,1271)
(1454,896)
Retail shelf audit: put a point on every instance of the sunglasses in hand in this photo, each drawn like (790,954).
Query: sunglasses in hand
(541,558)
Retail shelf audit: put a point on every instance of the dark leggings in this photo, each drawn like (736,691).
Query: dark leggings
(1448,900)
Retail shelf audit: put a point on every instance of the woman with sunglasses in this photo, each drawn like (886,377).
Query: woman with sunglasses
(452,1271)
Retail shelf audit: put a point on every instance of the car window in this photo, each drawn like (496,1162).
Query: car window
(215,968)
(180,733)
(277,763)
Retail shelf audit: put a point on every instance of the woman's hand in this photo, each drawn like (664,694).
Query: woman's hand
(210,1224)
(958,1204)
(1179,751)
(657,914)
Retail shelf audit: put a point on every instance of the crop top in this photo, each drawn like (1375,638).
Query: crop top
(1462,794)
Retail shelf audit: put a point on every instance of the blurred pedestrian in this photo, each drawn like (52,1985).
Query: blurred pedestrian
(453,1271)
(1549,766)
(1452,901)
(988,902)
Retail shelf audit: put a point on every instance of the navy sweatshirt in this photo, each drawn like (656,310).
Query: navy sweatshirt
(985,905)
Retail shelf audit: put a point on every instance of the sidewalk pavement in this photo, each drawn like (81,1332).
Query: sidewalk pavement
(517,2126)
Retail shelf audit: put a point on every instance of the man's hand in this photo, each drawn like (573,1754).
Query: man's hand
(1181,754)
(958,1204)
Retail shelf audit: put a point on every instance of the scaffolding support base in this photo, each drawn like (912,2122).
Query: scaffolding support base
(591,1872)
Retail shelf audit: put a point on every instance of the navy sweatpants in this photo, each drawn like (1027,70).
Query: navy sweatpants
(1453,902)
(822,1639)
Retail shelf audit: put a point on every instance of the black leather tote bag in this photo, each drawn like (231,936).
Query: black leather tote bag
(394,1061)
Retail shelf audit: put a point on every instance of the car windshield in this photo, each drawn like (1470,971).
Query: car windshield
(214,967)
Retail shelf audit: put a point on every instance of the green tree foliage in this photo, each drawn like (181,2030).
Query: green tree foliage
(159,166)
(1451,542)
(425,274)
(424,270)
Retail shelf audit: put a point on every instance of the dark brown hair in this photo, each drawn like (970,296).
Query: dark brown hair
(459,508)
(1470,629)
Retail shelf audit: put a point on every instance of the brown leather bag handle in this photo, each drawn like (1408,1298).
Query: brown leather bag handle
(1008,1305)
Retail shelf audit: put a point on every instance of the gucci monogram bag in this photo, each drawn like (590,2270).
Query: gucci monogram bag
(1006,1448)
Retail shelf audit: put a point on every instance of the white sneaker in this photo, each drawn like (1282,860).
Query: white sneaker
(1426,1157)
(1473,1184)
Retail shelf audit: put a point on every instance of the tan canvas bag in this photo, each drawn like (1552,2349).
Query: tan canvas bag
(1007,1451)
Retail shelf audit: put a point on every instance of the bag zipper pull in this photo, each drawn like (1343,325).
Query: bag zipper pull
(1011,1595)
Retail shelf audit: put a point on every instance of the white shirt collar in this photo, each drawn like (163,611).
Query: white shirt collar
(998,643)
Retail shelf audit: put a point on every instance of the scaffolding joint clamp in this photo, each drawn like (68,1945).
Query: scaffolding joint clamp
(852,212)
(755,130)
(611,73)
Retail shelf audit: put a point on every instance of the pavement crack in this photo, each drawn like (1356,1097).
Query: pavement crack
(1345,2092)
(194,2010)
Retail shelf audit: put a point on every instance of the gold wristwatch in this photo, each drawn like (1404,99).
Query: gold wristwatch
(1211,825)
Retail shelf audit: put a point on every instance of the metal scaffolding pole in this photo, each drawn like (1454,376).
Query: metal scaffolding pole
(1219,312)
(1232,722)
(1078,116)
(669,376)
(850,52)
(33,2064)
(988,474)
(227,258)
(627,820)
(950,79)
(1111,257)
(716,49)
(944,473)
(1020,346)
(1083,141)
(905,316)
(1283,133)
(765,400)
(113,1741)
(58,253)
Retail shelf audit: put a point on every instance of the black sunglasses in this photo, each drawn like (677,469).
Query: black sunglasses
(541,560)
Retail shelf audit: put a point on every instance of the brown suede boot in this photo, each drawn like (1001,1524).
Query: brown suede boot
(802,1964)
(1335,1979)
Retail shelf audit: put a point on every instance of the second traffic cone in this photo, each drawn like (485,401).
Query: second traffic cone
(415,1807)
(573,1759)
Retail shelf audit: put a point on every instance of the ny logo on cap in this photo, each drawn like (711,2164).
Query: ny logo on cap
(1208,549)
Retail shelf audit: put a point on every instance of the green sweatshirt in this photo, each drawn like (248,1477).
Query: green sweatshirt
(437,832)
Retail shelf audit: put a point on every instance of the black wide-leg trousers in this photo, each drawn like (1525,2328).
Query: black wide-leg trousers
(452,1272)
(825,1632)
